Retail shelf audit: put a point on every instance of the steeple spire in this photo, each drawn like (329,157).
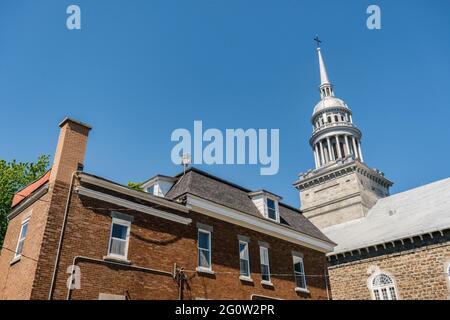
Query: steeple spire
(323,71)
(326,89)
(334,137)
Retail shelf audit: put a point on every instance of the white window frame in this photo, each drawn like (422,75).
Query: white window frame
(447,271)
(447,276)
(18,255)
(126,224)
(299,259)
(150,189)
(246,259)
(383,292)
(277,210)
(199,267)
(263,249)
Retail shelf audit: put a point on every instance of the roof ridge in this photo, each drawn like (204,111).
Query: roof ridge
(413,189)
(209,175)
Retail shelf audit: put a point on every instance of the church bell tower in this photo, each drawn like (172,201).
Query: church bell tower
(341,187)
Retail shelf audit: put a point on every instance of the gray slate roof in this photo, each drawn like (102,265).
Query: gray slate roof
(414,212)
(208,187)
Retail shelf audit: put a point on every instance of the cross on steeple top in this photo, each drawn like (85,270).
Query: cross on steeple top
(318,41)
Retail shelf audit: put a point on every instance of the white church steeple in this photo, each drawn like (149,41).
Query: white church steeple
(334,135)
(342,187)
(326,89)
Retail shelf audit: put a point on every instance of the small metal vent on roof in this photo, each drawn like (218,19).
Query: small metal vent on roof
(392,212)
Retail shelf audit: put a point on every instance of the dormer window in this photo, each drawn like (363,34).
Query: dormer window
(267,204)
(159,185)
(271,209)
(151,190)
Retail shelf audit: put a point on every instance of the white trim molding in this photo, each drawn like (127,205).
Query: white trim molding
(130,192)
(132,205)
(447,275)
(258,224)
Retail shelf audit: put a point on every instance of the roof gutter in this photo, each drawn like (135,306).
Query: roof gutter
(239,218)
(383,242)
(130,192)
(132,205)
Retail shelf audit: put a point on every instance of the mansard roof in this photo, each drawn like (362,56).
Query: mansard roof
(411,213)
(222,192)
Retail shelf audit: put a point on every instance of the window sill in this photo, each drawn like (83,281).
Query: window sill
(301,290)
(267,283)
(204,270)
(117,260)
(246,279)
(15,260)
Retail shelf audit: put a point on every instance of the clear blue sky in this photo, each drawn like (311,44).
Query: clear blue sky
(140,69)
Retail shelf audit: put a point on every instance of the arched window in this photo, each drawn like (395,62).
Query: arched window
(383,287)
(448,272)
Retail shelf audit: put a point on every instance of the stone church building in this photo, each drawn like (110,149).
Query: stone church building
(388,246)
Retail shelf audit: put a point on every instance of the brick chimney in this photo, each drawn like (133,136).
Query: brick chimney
(70,151)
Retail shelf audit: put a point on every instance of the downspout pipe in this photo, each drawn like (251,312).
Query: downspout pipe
(58,252)
(75,259)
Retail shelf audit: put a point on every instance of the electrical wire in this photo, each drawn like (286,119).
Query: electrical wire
(185,270)
(233,273)
(21,255)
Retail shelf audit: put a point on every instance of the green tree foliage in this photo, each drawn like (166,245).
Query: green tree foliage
(13,177)
(135,186)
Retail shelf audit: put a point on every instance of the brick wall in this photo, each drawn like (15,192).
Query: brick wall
(16,280)
(154,243)
(159,244)
(418,273)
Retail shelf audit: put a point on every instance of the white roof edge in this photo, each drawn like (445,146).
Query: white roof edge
(384,241)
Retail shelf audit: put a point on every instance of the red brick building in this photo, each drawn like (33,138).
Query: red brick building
(192,236)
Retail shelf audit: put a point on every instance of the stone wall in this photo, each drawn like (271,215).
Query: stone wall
(419,274)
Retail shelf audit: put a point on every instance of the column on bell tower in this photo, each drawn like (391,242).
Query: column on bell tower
(334,135)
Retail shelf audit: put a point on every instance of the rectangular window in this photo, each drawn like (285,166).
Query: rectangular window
(392,292)
(120,234)
(244,259)
(271,209)
(377,294)
(151,190)
(204,249)
(22,236)
(299,272)
(265,268)
(384,293)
